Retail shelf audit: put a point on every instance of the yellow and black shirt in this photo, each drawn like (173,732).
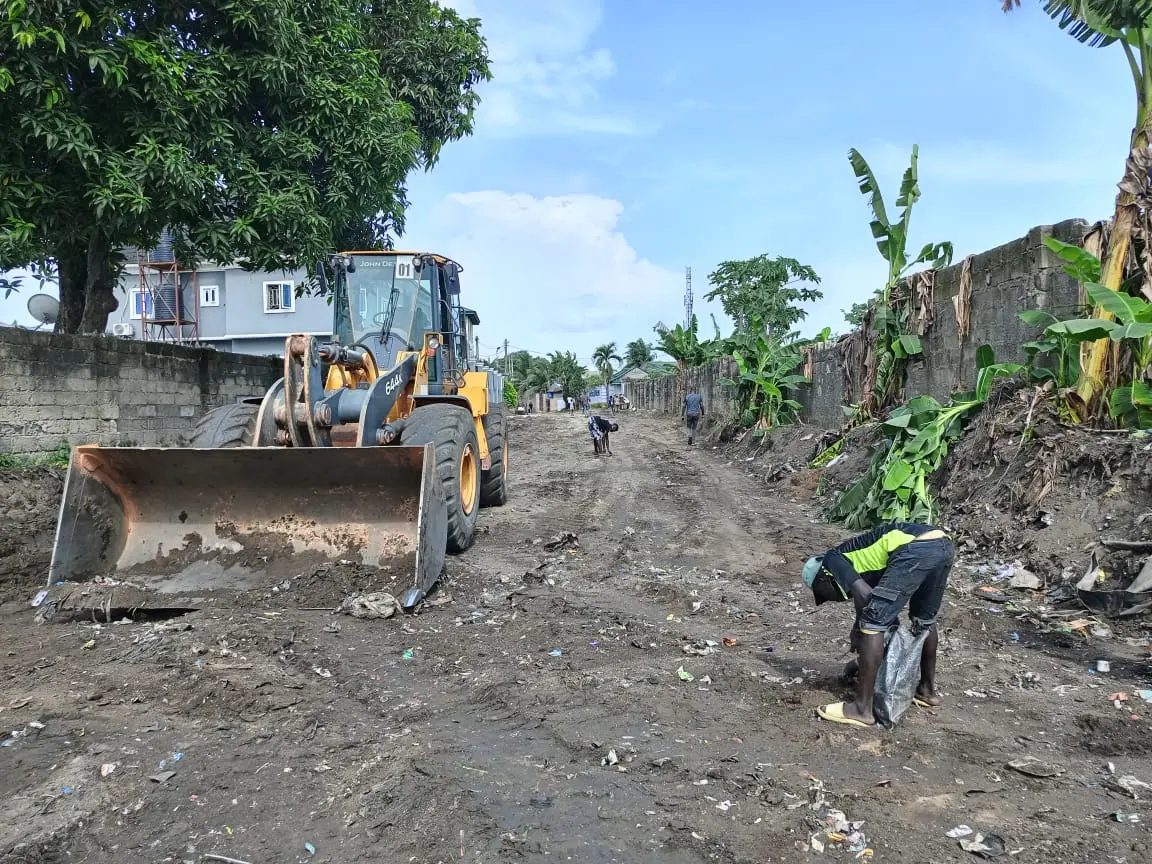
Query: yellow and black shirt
(865,556)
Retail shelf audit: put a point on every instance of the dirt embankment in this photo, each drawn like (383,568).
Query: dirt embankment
(29,501)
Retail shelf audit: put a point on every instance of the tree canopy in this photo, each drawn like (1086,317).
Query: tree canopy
(638,352)
(764,288)
(266,132)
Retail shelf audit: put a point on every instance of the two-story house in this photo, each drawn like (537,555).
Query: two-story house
(223,306)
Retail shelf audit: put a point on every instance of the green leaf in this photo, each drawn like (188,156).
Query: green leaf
(910,344)
(1037,317)
(897,474)
(1135,330)
(1141,394)
(1079,263)
(1082,329)
(985,356)
(1124,308)
(1120,402)
(900,419)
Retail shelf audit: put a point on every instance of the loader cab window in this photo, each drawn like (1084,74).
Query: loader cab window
(389,301)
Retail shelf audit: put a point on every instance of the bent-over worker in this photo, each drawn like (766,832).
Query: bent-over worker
(883,570)
(598,429)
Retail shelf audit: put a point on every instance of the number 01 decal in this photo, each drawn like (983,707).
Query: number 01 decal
(403,269)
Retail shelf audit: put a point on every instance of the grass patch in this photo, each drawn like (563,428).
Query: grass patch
(58,458)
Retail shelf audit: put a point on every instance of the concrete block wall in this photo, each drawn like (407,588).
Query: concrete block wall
(1006,280)
(117,392)
(666,394)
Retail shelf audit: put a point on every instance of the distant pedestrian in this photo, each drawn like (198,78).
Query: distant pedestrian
(598,430)
(586,401)
(571,405)
(692,411)
(612,404)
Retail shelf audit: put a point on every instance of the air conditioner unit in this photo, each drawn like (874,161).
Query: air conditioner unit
(123,329)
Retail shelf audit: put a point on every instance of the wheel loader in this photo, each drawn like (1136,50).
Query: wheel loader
(376,449)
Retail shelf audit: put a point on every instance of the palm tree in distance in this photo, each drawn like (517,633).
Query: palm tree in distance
(602,357)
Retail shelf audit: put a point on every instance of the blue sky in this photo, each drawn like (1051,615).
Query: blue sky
(621,140)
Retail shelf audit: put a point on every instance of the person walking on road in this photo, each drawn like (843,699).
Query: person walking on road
(692,411)
(882,571)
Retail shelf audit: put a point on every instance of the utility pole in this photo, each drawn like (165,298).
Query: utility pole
(477,338)
(507,361)
(687,297)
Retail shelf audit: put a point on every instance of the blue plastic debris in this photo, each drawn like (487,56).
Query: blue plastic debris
(556,652)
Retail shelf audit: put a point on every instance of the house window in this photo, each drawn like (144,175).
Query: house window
(209,295)
(139,303)
(279,297)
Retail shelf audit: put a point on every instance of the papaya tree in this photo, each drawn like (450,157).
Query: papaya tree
(1101,23)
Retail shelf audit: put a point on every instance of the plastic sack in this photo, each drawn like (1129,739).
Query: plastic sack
(898,677)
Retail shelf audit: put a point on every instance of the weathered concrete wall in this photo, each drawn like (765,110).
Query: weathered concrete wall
(93,389)
(1006,280)
(667,393)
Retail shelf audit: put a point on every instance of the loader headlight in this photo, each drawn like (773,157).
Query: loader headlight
(433,344)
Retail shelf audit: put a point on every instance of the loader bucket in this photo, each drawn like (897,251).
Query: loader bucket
(192,522)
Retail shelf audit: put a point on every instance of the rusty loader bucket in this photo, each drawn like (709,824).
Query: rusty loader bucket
(189,523)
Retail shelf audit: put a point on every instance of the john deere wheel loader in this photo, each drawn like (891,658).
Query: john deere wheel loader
(379,448)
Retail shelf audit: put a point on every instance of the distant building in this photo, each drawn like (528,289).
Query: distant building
(655,369)
(223,306)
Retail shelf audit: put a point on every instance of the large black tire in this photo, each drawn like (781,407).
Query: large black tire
(451,430)
(227,426)
(494,481)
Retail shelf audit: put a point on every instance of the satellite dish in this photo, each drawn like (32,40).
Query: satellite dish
(44,308)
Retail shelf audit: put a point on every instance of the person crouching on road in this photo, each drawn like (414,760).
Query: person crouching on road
(599,428)
(882,571)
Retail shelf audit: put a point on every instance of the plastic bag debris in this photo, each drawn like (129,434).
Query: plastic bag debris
(1130,786)
(610,759)
(556,652)
(107,769)
(1032,767)
(959,831)
(377,604)
(702,648)
(984,845)
(685,675)
(898,676)
(1126,817)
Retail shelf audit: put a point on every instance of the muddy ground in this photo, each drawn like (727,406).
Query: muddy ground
(535,712)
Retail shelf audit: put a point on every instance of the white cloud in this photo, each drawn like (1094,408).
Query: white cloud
(546,75)
(552,273)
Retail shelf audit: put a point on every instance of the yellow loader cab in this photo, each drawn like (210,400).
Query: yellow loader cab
(379,447)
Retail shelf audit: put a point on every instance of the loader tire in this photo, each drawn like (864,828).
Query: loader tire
(494,481)
(227,426)
(451,430)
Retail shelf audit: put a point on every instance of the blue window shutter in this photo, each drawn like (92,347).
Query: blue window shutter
(137,303)
(286,288)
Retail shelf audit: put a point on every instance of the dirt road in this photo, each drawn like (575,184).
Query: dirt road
(535,710)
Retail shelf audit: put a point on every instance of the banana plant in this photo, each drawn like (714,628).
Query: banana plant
(1128,322)
(894,345)
(918,436)
(767,372)
(1127,23)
